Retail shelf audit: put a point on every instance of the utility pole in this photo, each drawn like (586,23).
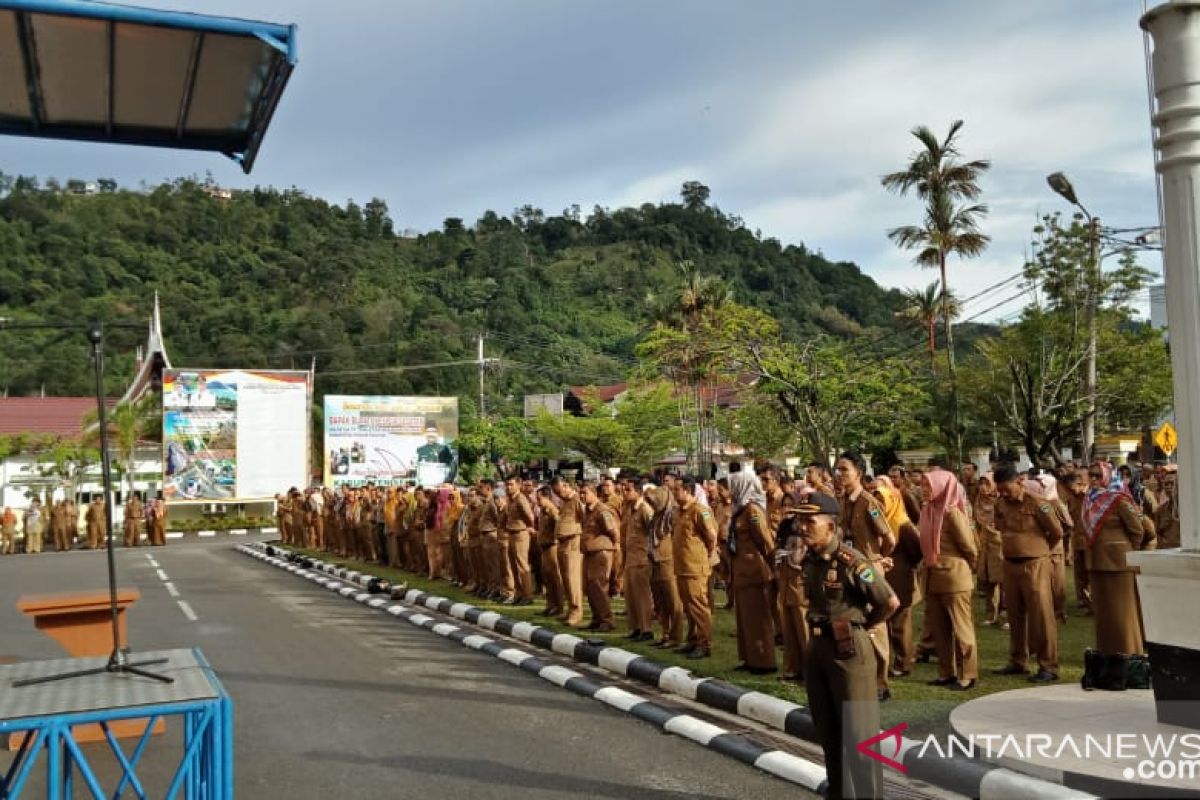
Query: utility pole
(1093,301)
(481,366)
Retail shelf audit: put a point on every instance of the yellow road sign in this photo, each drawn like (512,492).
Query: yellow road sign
(1166,438)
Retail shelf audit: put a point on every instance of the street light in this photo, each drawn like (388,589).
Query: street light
(1062,186)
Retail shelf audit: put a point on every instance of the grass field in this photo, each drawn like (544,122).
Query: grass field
(925,708)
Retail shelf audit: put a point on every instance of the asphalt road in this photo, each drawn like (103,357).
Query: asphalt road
(332,699)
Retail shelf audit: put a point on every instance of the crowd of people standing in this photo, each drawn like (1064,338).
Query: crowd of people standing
(57,524)
(669,544)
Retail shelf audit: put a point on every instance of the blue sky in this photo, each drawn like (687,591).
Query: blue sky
(789,111)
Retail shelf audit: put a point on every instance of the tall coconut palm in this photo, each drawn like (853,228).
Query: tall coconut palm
(948,186)
(923,308)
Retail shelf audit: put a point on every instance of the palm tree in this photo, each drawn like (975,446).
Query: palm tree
(923,308)
(130,423)
(948,186)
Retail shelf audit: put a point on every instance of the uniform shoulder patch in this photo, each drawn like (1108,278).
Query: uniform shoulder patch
(1044,508)
(864,572)
(846,556)
(704,512)
(873,512)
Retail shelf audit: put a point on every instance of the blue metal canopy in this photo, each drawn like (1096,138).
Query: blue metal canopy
(94,71)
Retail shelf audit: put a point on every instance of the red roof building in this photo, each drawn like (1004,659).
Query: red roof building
(45,416)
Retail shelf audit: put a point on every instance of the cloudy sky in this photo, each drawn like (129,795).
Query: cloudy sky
(790,111)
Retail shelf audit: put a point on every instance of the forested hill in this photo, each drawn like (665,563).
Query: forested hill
(271,279)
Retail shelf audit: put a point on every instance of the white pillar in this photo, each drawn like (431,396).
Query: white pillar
(1175,29)
(1170,580)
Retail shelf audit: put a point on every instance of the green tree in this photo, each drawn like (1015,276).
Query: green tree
(483,445)
(635,431)
(923,309)
(758,425)
(948,187)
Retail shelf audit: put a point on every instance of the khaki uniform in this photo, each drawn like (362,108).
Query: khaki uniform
(58,526)
(778,503)
(990,567)
(949,584)
(693,539)
(866,529)
(635,535)
(158,524)
(1166,520)
(473,547)
(753,545)
(547,546)
(491,555)
(94,518)
(668,609)
(133,521)
(600,531)
(723,514)
(33,526)
(905,578)
(844,588)
(1058,561)
(793,606)
(8,533)
(616,581)
(1115,602)
(518,523)
(283,520)
(1029,527)
(570,560)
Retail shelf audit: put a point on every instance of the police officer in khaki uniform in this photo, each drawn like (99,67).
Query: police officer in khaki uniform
(693,539)
(570,558)
(547,546)
(518,522)
(1029,528)
(635,535)
(847,597)
(598,541)
(866,529)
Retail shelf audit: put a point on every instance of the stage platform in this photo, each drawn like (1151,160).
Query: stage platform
(1098,742)
(44,714)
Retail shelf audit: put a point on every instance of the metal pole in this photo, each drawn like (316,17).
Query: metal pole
(96,337)
(481,364)
(1093,302)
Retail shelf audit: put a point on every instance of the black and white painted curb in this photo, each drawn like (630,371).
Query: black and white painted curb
(969,777)
(776,762)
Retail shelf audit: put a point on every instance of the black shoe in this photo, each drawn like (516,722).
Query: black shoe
(962,687)
(942,681)
(1044,676)
(1010,669)
(741,666)
(884,695)
(922,657)
(761,670)
(646,636)
(683,649)
(593,625)
(636,636)
(698,653)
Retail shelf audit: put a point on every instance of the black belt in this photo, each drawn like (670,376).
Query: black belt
(826,628)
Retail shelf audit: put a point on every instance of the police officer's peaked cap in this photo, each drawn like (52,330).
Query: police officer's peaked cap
(816,503)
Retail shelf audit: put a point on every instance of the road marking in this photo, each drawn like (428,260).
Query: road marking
(171,590)
(187,610)
(150,558)
(162,576)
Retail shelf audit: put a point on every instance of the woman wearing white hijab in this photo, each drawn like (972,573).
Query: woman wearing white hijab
(752,543)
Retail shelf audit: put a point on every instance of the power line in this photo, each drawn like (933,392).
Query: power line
(404,368)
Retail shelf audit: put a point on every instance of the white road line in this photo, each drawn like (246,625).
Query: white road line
(150,558)
(187,610)
(171,590)
(162,576)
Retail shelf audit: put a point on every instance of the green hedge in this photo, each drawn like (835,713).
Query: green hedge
(218,524)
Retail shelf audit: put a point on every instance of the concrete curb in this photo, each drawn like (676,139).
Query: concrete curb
(783,765)
(964,776)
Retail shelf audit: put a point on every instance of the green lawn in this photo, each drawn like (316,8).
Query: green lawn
(925,708)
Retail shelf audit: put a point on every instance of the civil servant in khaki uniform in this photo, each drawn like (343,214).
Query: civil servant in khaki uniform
(1114,527)
(570,558)
(948,547)
(693,540)
(752,543)
(635,536)
(905,576)
(846,597)
(519,519)
(598,541)
(866,529)
(1029,528)
(547,545)
(1075,491)
(990,568)
(663,586)
(489,540)
(133,521)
